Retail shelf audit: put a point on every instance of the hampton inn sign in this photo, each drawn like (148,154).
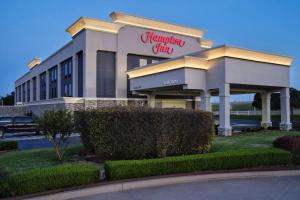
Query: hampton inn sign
(161,43)
(138,61)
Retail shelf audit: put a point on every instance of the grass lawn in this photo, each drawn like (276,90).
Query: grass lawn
(29,159)
(24,160)
(248,140)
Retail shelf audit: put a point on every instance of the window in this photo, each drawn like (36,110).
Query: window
(19,93)
(23,93)
(34,89)
(53,82)
(106,68)
(28,91)
(134,61)
(66,79)
(80,73)
(43,86)
(143,62)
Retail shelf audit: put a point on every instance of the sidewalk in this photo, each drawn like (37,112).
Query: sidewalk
(155,182)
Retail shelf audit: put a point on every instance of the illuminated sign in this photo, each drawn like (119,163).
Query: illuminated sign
(161,43)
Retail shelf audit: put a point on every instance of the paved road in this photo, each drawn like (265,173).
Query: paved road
(275,188)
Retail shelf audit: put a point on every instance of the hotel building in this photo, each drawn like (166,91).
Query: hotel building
(137,61)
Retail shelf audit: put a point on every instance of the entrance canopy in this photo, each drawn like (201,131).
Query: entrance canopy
(218,71)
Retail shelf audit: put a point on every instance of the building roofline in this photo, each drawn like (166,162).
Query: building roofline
(123,18)
(247,54)
(53,54)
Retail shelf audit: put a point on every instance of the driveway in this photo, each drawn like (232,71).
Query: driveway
(262,188)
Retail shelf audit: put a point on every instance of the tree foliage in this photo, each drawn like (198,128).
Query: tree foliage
(8,100)
(275,100)
(57,126)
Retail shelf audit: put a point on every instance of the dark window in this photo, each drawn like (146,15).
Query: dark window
(43,86)
(80,73)
(23,93)
(106,68)
(53,82)
(19,93)
(134,61)
(28,91)
(66,78)
(34,89)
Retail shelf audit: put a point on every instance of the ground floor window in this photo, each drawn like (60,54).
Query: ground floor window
(106,74)
(80,73)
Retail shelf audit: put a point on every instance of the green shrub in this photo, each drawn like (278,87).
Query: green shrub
(8,145)
(57,123)
(62,176)
(290,143)
(234,159)
(139,132)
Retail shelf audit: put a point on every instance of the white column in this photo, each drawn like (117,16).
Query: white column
(22,93)
(90,74)
(59,80)
(121,77)
(16,95)
(224,111)
(285,124)
(266,110)
(151,100)
(47,84)
(38,87)
(205,103)
(74,76)
(25,91)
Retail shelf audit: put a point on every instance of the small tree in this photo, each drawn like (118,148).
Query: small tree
(57,126)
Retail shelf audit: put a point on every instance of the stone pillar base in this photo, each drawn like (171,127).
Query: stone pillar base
(266,125)
(285,126)
(225,131)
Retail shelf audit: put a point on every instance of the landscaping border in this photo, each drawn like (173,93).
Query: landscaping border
(233,159)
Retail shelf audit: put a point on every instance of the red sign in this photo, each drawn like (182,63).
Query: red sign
(161,43)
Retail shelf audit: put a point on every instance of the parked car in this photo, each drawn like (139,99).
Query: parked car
(19,124)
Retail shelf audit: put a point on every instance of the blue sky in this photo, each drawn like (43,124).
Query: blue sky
(36,28)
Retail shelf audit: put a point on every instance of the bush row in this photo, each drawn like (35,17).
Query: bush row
(236,159)
(139,132)
(8,145)
(42,179)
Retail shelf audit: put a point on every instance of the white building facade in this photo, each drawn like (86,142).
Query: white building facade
(133,58)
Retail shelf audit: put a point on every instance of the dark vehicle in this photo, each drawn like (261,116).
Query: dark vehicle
(17,125)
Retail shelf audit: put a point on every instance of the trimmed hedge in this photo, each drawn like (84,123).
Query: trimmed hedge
(234,159)
(140,132)
(8,145)
(62,176)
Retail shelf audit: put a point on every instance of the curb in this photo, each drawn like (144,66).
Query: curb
(124,186)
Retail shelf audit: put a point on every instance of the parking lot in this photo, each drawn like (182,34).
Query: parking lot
(32,141)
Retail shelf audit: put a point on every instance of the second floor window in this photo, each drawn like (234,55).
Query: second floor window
(66,78)
(43,86)
(53,82)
